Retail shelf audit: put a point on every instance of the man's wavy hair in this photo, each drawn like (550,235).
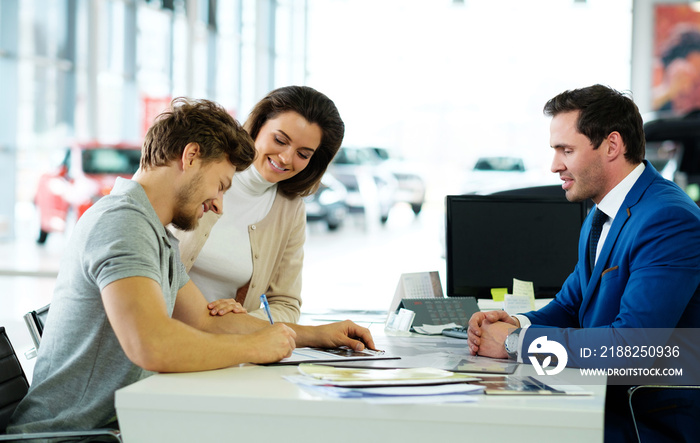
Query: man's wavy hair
(204,122)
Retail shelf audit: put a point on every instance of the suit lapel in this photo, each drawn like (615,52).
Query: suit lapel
(623,215)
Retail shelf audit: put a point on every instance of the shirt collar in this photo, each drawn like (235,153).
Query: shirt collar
(612,202)
(134,190)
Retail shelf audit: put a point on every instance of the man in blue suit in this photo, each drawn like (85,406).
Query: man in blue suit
(644,271)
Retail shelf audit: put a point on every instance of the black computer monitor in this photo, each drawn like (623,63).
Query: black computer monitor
(492,239)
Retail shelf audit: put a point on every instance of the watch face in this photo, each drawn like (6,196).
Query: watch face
(511,343)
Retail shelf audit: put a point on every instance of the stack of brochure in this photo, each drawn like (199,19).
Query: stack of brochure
(528,385)
(414,385)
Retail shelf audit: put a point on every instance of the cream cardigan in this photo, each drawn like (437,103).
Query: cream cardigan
(277,247)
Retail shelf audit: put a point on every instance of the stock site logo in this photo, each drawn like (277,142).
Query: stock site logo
(543,346)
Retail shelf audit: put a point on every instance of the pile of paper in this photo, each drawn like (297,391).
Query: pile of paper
(434,329)
(414,385)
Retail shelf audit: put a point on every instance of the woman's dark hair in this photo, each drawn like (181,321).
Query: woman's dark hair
(603,110)
(316,108)
(196,121)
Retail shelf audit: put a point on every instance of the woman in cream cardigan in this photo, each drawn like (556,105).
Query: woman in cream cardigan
(254,244)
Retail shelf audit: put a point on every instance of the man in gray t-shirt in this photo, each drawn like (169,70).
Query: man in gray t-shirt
(123,305)
(120,237)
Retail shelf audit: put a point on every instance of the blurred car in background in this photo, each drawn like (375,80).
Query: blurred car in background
(86,174)
(328,204)
(501,173)
(411,185)
(370,187)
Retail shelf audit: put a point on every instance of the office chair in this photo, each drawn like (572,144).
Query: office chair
(634,389)
(13,388)
(35,321)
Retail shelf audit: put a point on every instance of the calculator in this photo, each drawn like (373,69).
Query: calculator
(441,311)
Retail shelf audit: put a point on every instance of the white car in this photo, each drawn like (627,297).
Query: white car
(370,187)
(501,173)
(411,184)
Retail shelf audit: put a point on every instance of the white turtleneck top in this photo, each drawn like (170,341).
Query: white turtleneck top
(225,262)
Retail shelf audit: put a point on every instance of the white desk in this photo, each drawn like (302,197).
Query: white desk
(254,404)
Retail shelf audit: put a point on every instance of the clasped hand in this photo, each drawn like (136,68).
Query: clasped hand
(487,333)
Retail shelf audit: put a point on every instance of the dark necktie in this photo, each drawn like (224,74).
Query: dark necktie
(596,227)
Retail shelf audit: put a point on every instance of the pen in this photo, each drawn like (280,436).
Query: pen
(266,307)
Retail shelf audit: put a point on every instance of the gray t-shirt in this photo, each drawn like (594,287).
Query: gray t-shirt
(80,362)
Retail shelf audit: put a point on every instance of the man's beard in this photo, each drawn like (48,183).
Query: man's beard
(183,200)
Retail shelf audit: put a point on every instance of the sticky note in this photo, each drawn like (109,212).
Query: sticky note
(524,288)
(498,294)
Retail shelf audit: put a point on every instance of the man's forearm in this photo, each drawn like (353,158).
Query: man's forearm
(232,324)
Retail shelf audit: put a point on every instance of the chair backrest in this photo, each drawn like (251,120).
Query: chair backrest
(13,382)
(35,321)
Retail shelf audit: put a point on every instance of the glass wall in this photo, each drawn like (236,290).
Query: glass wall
(445,82)
(87,70)
(440,82)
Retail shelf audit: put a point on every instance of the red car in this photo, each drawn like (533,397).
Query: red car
(87,173)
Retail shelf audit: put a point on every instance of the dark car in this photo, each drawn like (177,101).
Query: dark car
(86,173)
(328,204)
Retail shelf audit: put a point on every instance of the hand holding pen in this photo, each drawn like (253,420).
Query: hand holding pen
(266,307)
(332,335)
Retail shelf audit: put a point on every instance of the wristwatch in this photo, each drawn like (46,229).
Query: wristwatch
(511,343)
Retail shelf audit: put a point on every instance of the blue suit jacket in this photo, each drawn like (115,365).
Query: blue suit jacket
(648,271)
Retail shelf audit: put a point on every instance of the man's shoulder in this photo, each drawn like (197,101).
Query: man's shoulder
(654,191)
(663,193)
(664,204)
(121,239)
(119,223)
(121,210)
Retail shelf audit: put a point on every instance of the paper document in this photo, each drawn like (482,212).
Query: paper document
(437,351)
(522,299)
(433,329)
(311,355)
(463,393)
(364,377)
(387,386)
(457,392)
(513,385)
